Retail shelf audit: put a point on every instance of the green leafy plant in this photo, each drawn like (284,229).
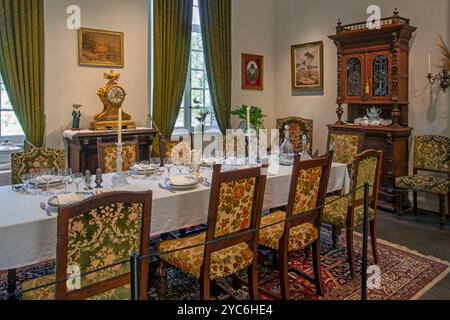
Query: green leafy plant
(202,114)
(256,116)
(445,54)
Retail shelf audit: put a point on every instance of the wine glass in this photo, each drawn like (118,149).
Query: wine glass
(168,164)
(65,175)
(47,176)
(26,177)
(77,178)
(155,166)
(145,164)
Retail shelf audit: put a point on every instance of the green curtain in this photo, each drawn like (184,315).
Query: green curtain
(172,42)
(22,63)
(215,16)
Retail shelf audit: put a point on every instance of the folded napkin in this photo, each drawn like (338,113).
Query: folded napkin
(182,180)
(66,199)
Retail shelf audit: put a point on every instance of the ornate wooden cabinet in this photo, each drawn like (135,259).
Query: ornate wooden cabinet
(82,146)
(372,71)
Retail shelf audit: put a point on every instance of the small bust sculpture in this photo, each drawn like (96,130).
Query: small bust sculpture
(76,115)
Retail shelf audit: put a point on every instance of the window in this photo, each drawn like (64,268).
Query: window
(197,95)
(10,128)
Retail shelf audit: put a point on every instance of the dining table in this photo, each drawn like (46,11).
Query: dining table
(28,234)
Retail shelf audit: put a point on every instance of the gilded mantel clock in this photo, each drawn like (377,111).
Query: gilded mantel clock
(112,97)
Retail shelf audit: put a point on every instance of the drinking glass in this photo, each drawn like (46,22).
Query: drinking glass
(77,178)
(26,177)
(155,165)
(168,164)
(145,165)
(64,175)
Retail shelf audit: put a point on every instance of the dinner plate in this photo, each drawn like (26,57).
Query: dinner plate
(53,184)
(182,181)
(53,201)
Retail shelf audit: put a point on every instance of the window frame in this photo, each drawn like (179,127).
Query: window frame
(16,139)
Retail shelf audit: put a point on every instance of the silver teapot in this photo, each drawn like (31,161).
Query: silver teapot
(374,113)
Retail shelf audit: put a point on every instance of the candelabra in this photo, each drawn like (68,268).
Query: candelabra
(443,77)
(119,179)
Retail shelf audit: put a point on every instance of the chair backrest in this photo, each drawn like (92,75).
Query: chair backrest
(297,128)
(235,207)
(107,155)
(308,189)
(166,146)
(100,232)
(346,146)
(366,169)
(432,153)
(34,160)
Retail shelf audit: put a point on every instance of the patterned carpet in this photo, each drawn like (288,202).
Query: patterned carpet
(405,274)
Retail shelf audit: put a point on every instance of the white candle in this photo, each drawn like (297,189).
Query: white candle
(429,63)
(120,127)
(248,118)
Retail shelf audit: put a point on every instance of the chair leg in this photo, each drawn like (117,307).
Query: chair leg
(317,268)
(253,280)
(373,239)
(415,208)
(448,205)
(284,274)
(161,281)
(442,210)
(205,288)
(335,235)
(351,258)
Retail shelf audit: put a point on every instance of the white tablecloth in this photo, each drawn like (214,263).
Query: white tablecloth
(28,235)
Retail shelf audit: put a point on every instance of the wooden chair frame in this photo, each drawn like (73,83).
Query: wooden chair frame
(84,207)
(102,145)
(313,216)
(354,203)
(249,235)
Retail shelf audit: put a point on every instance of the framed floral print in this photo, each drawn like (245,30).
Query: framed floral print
(307,66)
(252,72)
(100,48)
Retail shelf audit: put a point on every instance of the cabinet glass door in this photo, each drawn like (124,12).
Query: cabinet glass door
(380,81)
(354,77)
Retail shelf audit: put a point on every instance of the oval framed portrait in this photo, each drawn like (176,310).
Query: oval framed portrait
(252,72)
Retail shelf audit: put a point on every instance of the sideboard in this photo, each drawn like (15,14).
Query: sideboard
(81,146)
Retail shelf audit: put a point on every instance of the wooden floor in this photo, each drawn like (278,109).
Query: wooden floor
(423,234)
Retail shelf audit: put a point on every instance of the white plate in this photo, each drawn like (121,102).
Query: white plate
(182,181)
(53,201)
(53,184)
(182,188)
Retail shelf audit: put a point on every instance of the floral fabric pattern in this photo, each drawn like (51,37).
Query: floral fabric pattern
(235,206)
(297,128)
(108,156)
(224,262)
(432,153)
(48,292)
(299,237)
(346,146)
(335,212)
(34,160)
(424,183)
(307,190)
(367,170)
(97,239)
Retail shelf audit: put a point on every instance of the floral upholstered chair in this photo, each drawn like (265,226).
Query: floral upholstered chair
(234,214)
(107,155)
(297,128)
(94,234)
(431,154)
(348,212)
(345,145)
(34,160)
(304,211)
(166,146)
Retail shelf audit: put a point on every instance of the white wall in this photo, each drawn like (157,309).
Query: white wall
(301,21)
(66,83)
(253,33)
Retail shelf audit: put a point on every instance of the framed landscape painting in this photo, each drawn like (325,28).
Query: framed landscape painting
(252,72)
(307,66)
(100,48)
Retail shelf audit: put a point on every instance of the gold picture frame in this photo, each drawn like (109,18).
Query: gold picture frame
(307,66)
(100,48)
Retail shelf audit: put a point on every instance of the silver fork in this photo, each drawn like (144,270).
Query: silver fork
(162,186)
(44,207)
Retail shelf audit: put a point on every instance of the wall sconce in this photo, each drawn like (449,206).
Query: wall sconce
(443,77)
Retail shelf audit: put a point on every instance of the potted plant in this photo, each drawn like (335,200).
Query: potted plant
(256,117)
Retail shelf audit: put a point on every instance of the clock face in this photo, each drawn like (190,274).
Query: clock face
(115,95)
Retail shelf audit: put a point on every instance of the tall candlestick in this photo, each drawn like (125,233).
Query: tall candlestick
(120,127)
(248,118)
(429,63)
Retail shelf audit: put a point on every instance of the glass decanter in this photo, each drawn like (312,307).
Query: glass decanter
(304,155)
(286,149)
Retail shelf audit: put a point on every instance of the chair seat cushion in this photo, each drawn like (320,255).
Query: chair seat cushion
(335,213)
(424,183)
(224,262)
(48,292)
(300,236)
